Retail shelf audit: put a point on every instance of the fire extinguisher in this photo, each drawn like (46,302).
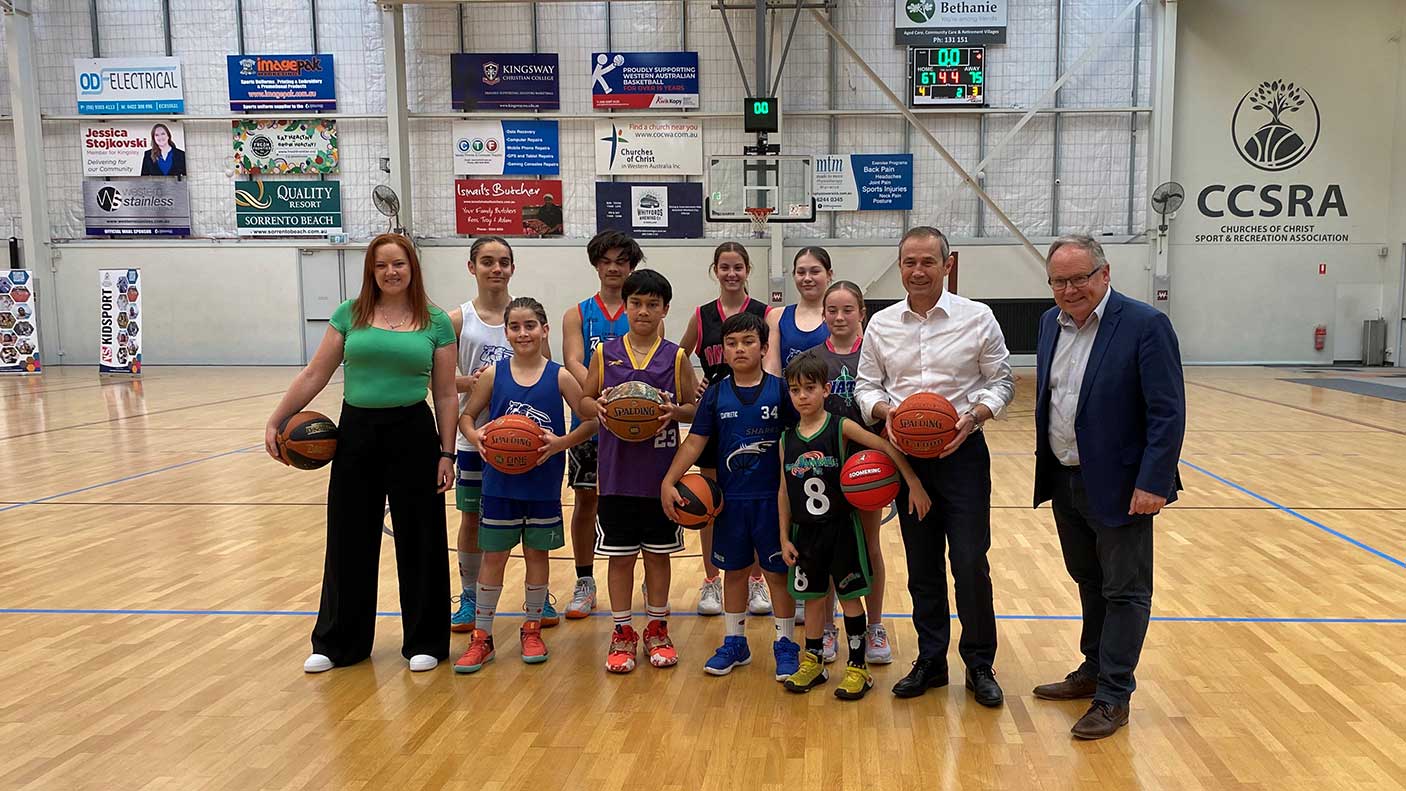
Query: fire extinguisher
(1320,337)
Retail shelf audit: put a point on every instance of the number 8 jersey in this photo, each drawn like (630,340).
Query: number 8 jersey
(811,468)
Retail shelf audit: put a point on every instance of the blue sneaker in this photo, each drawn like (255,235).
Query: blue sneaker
(733,652)
(788,658)
(463,619)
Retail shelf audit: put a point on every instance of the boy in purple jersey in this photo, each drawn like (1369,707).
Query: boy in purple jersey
(630,520)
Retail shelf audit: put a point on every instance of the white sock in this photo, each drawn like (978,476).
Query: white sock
(621,619)
(786,627)
(469,563)
(736,623)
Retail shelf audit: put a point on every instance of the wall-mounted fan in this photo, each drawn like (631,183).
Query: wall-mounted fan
(1166,199)
(388,203)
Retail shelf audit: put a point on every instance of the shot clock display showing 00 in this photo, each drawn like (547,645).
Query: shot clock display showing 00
(946,76)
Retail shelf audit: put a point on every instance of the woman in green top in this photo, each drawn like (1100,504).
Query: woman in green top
(396,346)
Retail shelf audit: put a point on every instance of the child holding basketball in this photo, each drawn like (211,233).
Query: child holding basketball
(821,538)
(743,415)
(524,507)
(630,521)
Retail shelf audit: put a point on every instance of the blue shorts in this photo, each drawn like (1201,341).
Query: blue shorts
(470,485)
(505,522)
(748,530)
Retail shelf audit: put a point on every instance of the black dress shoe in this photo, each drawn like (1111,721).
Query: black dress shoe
(982,682)
(926,674)
(1075,686)
(1102,719)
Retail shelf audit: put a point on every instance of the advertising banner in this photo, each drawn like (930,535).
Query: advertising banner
(864,182)
(136,207)
(19,324)
(644,80)
(281,83)
(651,211)
(119,321)
(133,148)
(666,147)
(506,148)
(287,208)
(129,86)
(508,207)
(932,23)
(306,145)
(504,81)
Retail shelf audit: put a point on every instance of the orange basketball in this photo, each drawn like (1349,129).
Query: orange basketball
(704,501)
(512,443)
(632,411)
(923,425)
(307,440)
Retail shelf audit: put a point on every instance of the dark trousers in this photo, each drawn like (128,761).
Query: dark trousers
(1113,568)
(384,453)
(960,521)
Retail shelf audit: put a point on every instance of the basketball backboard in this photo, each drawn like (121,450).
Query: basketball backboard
(734,183)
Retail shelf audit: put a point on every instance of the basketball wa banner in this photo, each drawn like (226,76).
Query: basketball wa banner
(119,320)
(864,182)
(129,86)
(307,145)
(508,207)
(506,148)
(644,80)
(19,323)
(672,210)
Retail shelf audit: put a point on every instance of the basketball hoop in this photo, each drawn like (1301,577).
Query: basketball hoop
(759,215)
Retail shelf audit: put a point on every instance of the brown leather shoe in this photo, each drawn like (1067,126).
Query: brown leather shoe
(1102,719)
(1074,687)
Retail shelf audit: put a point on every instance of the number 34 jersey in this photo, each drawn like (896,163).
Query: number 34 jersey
(811,468)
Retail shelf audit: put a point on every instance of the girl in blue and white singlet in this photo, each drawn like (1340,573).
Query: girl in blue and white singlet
(801,326)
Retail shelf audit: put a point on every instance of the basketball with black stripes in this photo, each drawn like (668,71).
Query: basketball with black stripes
(512,444)
(632,411)
(869,480)
(307,440)
(703,501)
(923,425)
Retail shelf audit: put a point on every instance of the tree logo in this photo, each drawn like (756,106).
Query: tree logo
(920,11)
(1277,144)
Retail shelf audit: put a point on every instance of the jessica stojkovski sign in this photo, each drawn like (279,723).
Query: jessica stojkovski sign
(128,86)
(307,145)
(288,208)
(136,207)
(133,148)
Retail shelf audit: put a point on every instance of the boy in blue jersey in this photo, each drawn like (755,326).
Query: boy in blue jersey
(747,412)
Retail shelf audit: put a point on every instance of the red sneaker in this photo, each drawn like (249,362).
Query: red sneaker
(479,653)
(624,643)
(657,643)
(534,651)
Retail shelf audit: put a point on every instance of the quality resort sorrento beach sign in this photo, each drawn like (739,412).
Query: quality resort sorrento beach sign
(288,208)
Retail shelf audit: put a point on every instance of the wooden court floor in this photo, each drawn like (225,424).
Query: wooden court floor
(158,577)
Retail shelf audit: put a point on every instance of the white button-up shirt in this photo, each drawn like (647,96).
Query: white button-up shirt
(1071,358)
(955,350)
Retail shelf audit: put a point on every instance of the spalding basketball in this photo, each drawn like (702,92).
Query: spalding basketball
(512,443)
(307,440)
(923,425)
(869,480)
(703,501)
(632,411)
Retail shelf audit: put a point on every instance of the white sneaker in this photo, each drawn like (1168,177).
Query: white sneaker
(419,663)
(710,597)
(876,645)
(317,663)
(758,597)
(830,644)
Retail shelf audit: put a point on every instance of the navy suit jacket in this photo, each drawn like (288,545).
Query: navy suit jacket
(1132,409)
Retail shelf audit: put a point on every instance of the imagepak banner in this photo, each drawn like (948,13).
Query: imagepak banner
(133,148)
(504,81)
(129,86)
(289,83)
(136,207)
(19,325)
(662,148)
(864,182)
(640,80)
(307,145)
(651,211)
(287,208)
(506,148)
(119,321)
(936,23)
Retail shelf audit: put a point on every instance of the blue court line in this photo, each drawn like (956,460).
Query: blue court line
(1291,512)
(124,480)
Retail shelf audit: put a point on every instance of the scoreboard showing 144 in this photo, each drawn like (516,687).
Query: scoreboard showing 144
(946,76)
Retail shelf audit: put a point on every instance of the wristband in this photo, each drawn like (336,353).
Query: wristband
(448,454)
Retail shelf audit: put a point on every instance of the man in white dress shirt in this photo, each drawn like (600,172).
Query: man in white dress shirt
(938,342)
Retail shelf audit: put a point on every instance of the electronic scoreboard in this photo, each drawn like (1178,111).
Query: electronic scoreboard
(946,76)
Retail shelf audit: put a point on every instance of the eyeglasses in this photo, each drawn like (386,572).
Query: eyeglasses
(1061,283)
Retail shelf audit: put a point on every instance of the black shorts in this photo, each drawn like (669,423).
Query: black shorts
(581,465)
(627,525)
(832,551)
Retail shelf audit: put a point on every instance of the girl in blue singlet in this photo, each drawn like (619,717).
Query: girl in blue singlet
(801,326)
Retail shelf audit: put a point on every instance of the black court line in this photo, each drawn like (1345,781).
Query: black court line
(114,383)
(1328,415)
(1169,509)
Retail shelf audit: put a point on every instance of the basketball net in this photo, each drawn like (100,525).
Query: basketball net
(759,215)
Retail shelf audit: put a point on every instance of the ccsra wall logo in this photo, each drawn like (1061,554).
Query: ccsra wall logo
(1275,126)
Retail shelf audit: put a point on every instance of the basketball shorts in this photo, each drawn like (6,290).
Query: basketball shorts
(504,523)
(581,465)
(831,551)
(748,530)
(470,484)
(626,525)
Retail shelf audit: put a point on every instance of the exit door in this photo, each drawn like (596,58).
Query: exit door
(323,290)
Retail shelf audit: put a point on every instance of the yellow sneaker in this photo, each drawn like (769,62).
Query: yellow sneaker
(811,675)
(855,684)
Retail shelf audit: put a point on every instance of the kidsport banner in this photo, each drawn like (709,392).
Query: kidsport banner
(864,182)
(307,145)
(504,81)
(287,208)
(119,319)
(508,207)
(129,86)
(281,83)
(136,207)
(19,324)
(506,148)
(666,147)
(640,80)
(651,211)
(134,148)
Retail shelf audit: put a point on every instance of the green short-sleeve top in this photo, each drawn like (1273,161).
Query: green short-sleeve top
(385,368)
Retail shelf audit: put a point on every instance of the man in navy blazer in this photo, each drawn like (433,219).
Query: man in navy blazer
(1109,419)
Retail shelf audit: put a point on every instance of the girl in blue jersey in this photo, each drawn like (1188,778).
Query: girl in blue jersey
(800,327)
(523,507)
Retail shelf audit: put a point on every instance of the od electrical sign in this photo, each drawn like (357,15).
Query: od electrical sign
(946,76)
(129,86)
